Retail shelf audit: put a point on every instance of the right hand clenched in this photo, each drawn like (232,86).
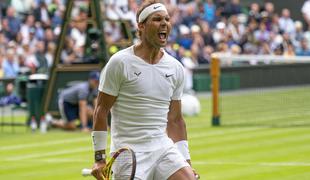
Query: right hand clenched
(97,170)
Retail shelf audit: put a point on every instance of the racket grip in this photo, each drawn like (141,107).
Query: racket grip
(86,172)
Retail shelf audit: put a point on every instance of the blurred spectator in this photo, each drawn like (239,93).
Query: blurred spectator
(49,55)
(190,15)
(236,28)
(10,65)
(289,51)
(196,35)
(303,50)
(220,33)
(189,64)
(10,97)
(209,13)
(185,40)
(299,34)
(268,14)
(206,33)
(254,12)
(279,50)
(232,8)
(262,34)
(22,7)
(41,61)
(26,27)
(42,15)
(113,32)
(78,32)
(13,21)
(264,48)
(286,23)
(204,57)
(68,55)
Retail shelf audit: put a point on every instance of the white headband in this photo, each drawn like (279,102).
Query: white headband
(151,9)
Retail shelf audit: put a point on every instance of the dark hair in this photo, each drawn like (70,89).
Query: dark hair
(94,75)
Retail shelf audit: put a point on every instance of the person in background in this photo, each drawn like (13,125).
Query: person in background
(73,103)
(10,65)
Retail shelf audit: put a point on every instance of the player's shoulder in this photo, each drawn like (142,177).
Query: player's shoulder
(121,55)
(173,60)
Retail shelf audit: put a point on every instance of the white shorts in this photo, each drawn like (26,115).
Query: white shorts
(159,164)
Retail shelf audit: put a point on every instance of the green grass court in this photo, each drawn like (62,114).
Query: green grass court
(253,151)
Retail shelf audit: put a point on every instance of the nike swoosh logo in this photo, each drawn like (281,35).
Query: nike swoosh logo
(168,75)
(156,7)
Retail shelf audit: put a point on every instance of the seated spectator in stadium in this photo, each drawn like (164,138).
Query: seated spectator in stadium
(220,33)
(262,34)
(286,23)
(236,28)
(304,48)
(10,65)
(10,97)
(68,54)
(206,32)
(73,103)
(289,50)
(185,39)
(254,12)
(204,57)
(209,12)
(232,8)
(42,64)
(42,14)
(14,23)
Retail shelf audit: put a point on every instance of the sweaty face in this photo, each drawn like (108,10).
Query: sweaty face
(156,29)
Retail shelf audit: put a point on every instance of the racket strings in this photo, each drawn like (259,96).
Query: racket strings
(122,167)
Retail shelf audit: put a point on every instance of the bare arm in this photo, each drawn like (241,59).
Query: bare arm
(176,127)
(102,108)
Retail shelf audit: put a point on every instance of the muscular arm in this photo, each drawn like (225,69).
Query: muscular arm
(103,106)
(176,127)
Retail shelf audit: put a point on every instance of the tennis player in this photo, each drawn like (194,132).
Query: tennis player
(143,85)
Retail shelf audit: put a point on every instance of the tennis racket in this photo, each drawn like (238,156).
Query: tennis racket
(121,166)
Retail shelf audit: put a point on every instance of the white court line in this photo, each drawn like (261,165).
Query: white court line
(42,155)
(40,144)
(238,163)
(252,163)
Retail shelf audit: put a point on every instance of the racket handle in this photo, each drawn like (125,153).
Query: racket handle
(86,172)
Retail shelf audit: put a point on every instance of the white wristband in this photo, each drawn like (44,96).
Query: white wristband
(99,140)
(183,148)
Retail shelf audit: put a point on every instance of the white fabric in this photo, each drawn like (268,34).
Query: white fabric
(139,114)
(183,148)
(151,9)
(306,9)
(156,165)
(99,140)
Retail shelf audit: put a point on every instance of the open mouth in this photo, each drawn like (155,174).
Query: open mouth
(162,35)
